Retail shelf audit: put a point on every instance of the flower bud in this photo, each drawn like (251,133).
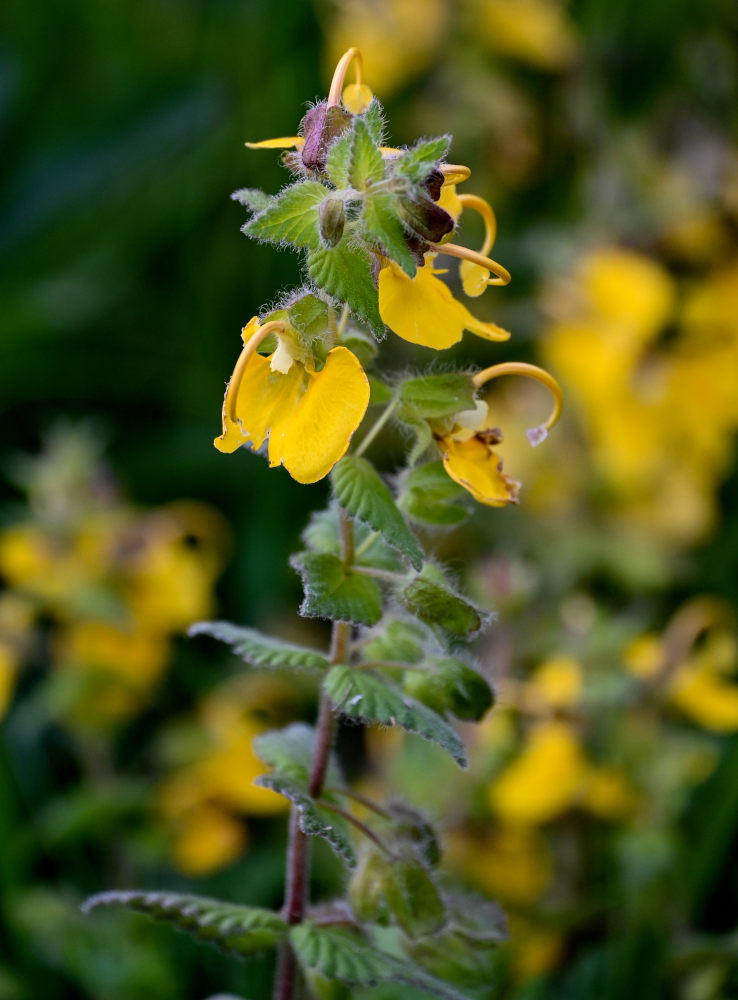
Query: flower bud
(332,220)
(321,126)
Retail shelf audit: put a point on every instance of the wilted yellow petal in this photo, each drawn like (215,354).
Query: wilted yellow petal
(311,439)
(284,142)
(423,311)
(473,465)
(357,97)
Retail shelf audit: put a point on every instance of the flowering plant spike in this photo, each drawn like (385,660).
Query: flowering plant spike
(372,223)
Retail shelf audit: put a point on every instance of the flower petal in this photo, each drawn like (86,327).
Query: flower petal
(423,311)
(262,397)
(311,439)
(473,465)
(474,278)
(357,97)
(283,142)
(449,200)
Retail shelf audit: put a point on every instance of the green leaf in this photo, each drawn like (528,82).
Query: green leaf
(379,391)
(338,954)
(292,217)
(429,495)
(362,695)
(345,272)
(315,819)
(362,493)
(413,899)
(261,650)
(332,591)
(323,535)
(238,929)
(422,432)
(416,163)
(383,225)
(435,603)
(253,198)
(400,641)
(434,396)
(291,751)
(375,122)
(448,685)
(366,165)
(309,315)
(339,159)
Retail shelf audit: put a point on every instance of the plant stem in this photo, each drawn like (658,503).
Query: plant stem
(377,426)
(298,846)
(359,824)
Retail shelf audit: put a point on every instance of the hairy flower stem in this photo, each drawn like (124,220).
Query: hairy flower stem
(298,846)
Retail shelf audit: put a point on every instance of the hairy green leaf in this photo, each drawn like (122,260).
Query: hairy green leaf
(253,198)
(339,954)
(332,591)
(366,165)
(260,650)
(449,685)
(434,396)
(374,120)
(339,159)
(291,751)
(360,694)
(238,929)
(315,819)
(398,642)
(416,163)
(309,315)
(344,271)
(429,495)
(292,217)
(383,225)
(436,604)
(360,491)
(413,898)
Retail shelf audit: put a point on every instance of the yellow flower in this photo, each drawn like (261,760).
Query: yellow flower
(309,416)
(207,838)
(545,780)
(423,311)
(535,31)
(467,447)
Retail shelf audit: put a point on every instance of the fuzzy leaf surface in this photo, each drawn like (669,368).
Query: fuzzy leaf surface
(253,198)
(315,820)
(338,161)
(383,225)
(323,535)
(362,695)
(400,641)
(340,955)
(344,271)
(332,591)
(237,929)
(260,650)
(362,493)
(309,316)
(416,163)
(449,685)
(291,751)
(293,216)
(374,121)
(366,165)
(429,495)
(435,603)
(434,396)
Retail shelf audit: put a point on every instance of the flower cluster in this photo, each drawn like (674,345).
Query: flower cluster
(373,221)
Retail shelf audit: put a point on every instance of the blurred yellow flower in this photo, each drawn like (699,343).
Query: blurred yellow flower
(8,670)
(538,32)
(207,839)
(556,683)
(546,779)
(511,863)
(309,416)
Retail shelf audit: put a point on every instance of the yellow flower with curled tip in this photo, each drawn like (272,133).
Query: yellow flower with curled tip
(309,416)
(467,447)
